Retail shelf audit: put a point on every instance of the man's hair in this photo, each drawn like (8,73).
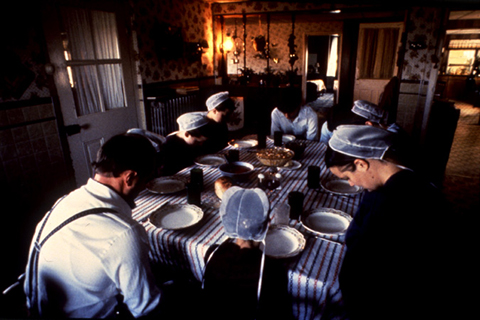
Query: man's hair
(395,154)
(126,152)
(226,105)
(337,159)
(204,131)
(290,100)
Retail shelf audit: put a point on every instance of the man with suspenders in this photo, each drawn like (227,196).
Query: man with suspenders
(88,251)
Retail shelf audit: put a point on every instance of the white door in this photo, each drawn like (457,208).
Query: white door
(90,52)
(378,45)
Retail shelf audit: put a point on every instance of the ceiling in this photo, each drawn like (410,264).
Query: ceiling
(464,15)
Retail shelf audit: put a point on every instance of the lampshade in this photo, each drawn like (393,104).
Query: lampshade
(228,44)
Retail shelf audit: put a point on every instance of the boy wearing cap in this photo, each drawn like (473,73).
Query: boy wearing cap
(183,146)
(362,112)
(235,272)
(220,107)
(394,262)
(290,117)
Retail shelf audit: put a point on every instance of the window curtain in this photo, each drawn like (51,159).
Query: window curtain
(333,58)
(92,38)
(378,51)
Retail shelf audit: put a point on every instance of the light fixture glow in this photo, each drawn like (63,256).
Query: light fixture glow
(228,44)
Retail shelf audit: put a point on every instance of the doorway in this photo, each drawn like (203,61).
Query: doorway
(94,77)
(378,46)
(322,71)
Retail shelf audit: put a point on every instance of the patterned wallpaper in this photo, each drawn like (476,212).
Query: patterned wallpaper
(191,18)
(279,33)
(194,19)
(423,26)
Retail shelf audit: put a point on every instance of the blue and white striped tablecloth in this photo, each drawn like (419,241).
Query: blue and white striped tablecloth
(313,274)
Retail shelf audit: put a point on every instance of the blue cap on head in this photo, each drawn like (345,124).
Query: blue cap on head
(245,213)
(191,121)
(361,141)
(217,99)
(368,110)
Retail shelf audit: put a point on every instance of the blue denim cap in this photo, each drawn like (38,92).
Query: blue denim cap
(217,99)
(191,121)
(361,141)
(368,110)
(245,213)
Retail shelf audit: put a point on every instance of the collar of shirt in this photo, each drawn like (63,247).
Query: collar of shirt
(108,196)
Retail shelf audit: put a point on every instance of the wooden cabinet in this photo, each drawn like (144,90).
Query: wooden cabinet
(458,88)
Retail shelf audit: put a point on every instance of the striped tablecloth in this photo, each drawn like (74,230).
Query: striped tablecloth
(313,274)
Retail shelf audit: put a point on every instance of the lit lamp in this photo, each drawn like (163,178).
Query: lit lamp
(228,45)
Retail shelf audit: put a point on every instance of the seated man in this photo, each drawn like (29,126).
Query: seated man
(234,272)
(220,107)
(292,118)
(79,270)
(394,266)
(183,146)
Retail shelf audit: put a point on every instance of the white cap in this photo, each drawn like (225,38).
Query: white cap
(245,213)
(217,99)
(368,110)
(361,141)
(191,121)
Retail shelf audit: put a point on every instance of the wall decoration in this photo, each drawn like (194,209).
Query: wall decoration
(191,20)
(168,40)
(238,117)
(292,57)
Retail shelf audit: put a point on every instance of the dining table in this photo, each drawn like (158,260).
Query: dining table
(312,272)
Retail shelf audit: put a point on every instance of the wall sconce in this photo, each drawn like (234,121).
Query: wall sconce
(228,45)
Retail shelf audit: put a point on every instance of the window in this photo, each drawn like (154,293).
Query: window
(460,62)
(91,49)
(377,52)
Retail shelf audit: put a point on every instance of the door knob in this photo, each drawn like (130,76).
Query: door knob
(72,129)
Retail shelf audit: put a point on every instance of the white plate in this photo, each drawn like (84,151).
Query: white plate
(250,137)
(292,165)
(243,144)
(285,138)
(326,221)
(283,242)
(340,186)
(210,160)
(176,216)
(166,185)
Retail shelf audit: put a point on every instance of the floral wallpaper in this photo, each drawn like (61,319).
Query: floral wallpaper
(279,32)
(194,21)
(419,74)
(190,19)
(422,27)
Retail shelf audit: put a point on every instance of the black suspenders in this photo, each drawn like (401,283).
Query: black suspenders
(33,261)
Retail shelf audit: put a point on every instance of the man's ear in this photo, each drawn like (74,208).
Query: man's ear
(187,134)
(361,164)
(130,176)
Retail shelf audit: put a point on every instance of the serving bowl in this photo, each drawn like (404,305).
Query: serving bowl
(275,157)
(236,170)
